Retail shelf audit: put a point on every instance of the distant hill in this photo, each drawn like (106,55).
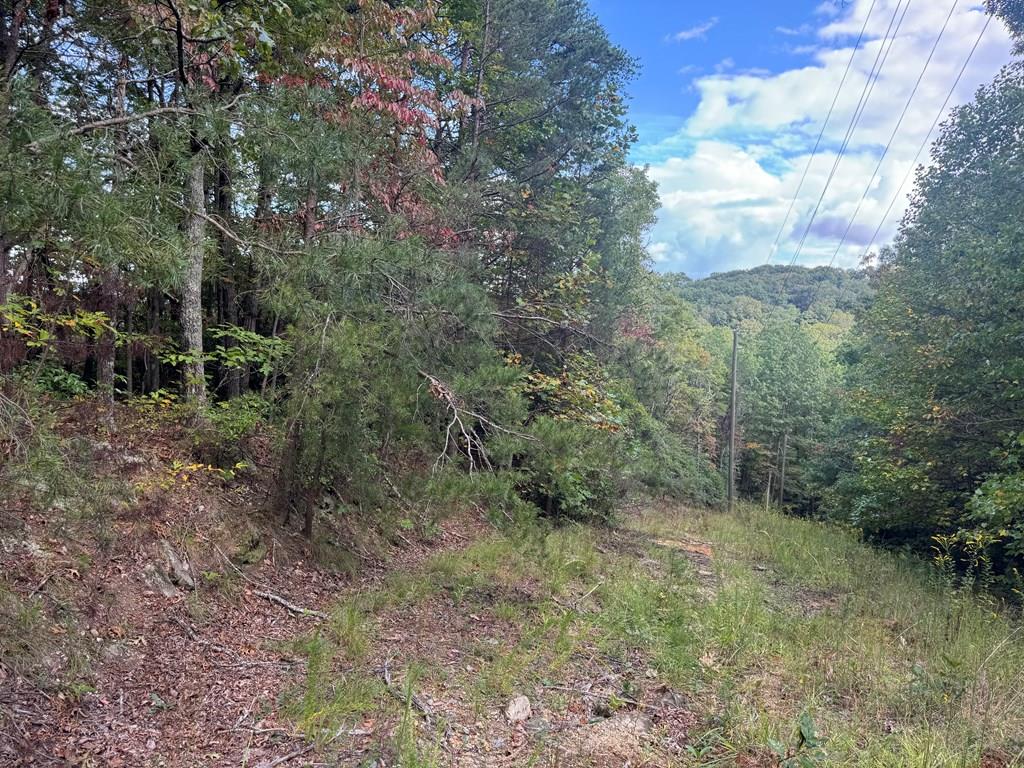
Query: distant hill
(813,292)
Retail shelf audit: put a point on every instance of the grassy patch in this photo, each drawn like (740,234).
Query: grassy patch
(793,642)
(894,667)
(330,697)
(45,646)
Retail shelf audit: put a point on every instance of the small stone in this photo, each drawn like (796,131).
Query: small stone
(518,709)
(672,700)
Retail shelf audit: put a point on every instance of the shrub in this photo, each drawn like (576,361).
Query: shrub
(230,424)
(572,471)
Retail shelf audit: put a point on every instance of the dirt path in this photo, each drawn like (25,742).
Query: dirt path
(184,628)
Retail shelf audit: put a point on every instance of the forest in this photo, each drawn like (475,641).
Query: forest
(379,259)
(408,251)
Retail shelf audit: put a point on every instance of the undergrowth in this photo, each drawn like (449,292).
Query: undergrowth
(811,648)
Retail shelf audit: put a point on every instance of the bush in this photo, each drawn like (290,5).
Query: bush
(660,463)
(59,381)
(572,471)
(228,427)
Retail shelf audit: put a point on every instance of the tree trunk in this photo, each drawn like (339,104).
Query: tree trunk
(105,345)
(229,304)
(192,293)
(5,267)
(151,380)
(309,217)
(478,108)
(129,351)
(782,470)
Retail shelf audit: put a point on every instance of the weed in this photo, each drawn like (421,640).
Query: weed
(411,750)
(348,631)
(328,699)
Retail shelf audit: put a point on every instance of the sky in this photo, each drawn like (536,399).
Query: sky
(730,100)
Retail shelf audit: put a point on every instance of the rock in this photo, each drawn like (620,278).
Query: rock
(670,699)
(157,580)
(178,571)
(518,709)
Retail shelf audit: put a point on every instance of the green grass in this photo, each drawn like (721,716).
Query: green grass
(331,697)
(894,666)
(803,624)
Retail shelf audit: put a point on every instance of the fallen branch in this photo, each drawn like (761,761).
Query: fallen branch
(240,661)
(285,758)
(290,606)
(263,592)
(416,701)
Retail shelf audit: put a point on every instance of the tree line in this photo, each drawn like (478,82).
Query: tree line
(403,241)
(403,238)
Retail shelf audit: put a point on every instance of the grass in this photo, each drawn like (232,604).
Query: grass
(805,630)
(331,698)
(50,650)
(895,667)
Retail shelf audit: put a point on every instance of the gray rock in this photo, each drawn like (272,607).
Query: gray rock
(518,709)
(178,571)
(157,580)
(672,700)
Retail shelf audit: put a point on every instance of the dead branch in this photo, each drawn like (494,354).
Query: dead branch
(290,606)
(456,429)
(285,758)
(263,592)
(240,661)
(424,708)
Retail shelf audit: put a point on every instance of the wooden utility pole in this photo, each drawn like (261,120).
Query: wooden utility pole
(732,425)
(782,470)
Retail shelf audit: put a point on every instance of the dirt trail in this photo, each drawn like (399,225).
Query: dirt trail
(133,670)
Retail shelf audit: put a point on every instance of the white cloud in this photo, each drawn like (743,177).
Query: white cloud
(803,29)
(697,32)
(727,176)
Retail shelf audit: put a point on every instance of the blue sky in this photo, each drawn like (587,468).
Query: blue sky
(731,97)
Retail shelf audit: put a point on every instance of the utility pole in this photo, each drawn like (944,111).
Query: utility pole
(732,425)
(782,470)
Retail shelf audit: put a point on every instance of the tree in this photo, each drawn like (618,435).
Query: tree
(940,366)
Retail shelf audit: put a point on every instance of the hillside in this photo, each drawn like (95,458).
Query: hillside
(175,625)
(815,292)
(345,422)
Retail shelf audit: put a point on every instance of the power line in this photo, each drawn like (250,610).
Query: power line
(821,133)
(921,148)
(895,131)
(927,138)
(869,85)
(869,88)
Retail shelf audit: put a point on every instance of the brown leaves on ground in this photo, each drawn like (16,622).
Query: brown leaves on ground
(129,675)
